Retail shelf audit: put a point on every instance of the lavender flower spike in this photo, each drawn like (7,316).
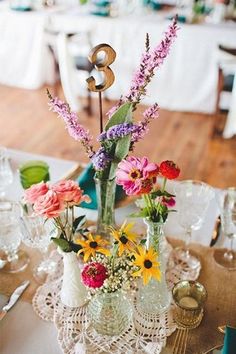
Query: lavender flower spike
(100,159)
(142,127)
(76,130)
(117,131)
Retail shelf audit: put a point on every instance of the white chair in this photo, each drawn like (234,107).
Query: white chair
(71,66)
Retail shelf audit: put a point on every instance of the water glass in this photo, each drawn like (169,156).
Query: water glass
(193,198)
(10,238)
(227,257)
(6,174)
(37,234)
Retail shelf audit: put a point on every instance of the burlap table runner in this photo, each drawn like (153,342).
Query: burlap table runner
(220,308)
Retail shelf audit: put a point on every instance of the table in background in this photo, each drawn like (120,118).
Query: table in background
(191,68)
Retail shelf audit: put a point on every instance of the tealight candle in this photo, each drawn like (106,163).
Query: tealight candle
(189,297)
(189,302)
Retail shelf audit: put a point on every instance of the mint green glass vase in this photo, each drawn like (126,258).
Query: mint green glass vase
(155,297)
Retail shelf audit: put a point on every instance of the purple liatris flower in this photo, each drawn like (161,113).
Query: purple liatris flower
(118,131)
(100,159)
(76,130)
(142,127)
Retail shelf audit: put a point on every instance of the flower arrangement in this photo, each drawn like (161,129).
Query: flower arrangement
(57,202)
(109,271)
(121,133)
(138,177)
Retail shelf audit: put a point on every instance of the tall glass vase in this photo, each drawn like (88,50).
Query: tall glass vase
(105,191)
(155,297)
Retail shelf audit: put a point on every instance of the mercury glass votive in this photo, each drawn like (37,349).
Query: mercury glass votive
(189,298)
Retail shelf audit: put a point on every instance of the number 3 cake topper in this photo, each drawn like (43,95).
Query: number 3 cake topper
(102,65)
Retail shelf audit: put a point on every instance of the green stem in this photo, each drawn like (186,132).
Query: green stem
(164,185)
(60,226)
(114,253)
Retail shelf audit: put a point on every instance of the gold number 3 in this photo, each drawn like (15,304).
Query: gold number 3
(103,66)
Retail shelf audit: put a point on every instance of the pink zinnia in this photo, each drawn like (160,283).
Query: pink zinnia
(94,275)
(136,175)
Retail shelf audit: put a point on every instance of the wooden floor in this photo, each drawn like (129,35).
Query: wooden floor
(186,138)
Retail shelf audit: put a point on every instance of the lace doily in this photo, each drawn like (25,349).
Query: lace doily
(146,335)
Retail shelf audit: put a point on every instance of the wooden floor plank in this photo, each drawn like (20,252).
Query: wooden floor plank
(186,138)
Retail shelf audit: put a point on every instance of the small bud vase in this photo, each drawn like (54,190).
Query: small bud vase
(110,313)
(155,297)
(105,192)
(73,292)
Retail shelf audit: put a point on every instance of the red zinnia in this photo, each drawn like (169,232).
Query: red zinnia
(94,274)
(169,169)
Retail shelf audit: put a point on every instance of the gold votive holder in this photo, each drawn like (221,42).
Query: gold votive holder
(189,298)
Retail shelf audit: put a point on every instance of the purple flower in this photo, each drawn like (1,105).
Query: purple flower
(100,159)
(150,61)
(142,127)
(76,130)
(117,131)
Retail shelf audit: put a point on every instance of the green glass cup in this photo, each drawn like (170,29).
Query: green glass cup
(32,172)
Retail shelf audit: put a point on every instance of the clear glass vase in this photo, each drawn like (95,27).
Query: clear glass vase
(105,192)
(110,313)
(155,297)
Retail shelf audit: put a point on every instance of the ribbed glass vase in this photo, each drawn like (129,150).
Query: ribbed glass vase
(155,297)
(105,192)
(110,313)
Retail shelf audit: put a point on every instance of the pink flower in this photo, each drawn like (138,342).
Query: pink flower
(35,191)
(48,205)
(136,175)
(68,191)
(94,274)
(168,202)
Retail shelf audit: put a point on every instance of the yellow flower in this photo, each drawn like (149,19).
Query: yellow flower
(124,237)
(146,260)
(94,244)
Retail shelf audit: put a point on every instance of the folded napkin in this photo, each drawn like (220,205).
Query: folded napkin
(86,182)
(229,341)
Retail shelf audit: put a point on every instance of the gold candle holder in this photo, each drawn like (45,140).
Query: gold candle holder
(189,298)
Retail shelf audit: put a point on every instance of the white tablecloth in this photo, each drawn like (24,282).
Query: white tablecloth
(186,82)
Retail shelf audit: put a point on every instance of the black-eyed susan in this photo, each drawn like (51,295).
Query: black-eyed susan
(124,237)
(146,260)
(94,244)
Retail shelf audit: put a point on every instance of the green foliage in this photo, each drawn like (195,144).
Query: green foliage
(62,243)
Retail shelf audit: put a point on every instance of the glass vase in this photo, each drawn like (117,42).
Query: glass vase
(110,313)
(155,297)
(105,192)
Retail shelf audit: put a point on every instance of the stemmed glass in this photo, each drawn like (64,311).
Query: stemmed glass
(6,174)
(193,198)
(227,257)
(10,238)
(37,234)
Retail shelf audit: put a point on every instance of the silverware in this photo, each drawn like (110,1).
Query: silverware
(216,232)
(13,298)
(180,342)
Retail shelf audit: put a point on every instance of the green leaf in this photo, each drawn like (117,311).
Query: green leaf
(143,242)
(121,151)
(62,243)
(78,222)
(122,115)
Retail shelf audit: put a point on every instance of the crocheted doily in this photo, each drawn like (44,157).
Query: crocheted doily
(76,335)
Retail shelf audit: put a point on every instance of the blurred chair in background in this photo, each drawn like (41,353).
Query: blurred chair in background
(69,52)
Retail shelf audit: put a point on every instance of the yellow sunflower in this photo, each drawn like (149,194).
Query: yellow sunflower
(125,238)
(91,246)
(146,260)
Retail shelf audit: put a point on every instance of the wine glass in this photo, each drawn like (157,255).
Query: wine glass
(6,174)
(10,238)
(37,234)
(227,257)
(193,198)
